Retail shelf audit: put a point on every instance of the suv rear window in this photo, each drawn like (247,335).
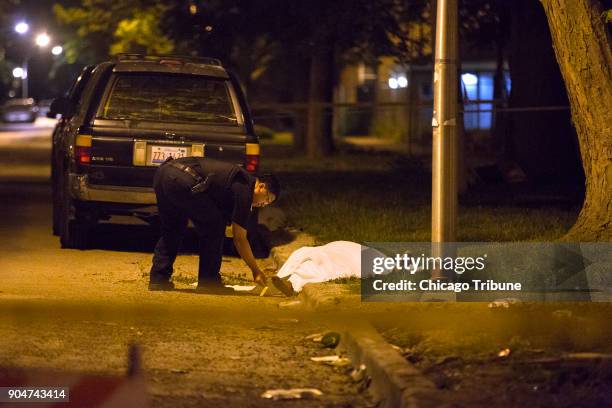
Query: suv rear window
(169,98)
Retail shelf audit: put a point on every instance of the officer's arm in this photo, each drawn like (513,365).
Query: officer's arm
(244,249)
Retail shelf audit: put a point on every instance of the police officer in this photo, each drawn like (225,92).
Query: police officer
(212,194)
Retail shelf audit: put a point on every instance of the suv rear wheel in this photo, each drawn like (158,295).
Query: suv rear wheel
(74,228)
(56,195)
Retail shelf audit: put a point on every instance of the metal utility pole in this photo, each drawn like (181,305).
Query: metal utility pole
(24,79)
(444,123)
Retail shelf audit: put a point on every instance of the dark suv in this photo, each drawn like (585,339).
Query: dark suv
(123,118)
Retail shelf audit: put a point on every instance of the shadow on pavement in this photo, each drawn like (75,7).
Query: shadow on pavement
(134,238)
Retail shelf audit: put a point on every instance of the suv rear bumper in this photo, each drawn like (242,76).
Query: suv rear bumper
(81,190)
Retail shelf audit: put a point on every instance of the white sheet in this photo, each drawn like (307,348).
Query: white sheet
(338,259)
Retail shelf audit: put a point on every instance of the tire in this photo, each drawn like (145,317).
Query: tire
(75,236)
(56,218)
(55,200)
(73,231)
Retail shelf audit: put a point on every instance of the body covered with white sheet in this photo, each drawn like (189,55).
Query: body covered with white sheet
(338,259)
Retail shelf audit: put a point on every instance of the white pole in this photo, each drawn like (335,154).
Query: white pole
(24,79)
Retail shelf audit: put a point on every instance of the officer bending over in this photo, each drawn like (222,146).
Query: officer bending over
(211,194)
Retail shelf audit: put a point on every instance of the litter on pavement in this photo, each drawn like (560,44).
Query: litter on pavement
(330,340)
(286,320)
(241,288)
(503,303)
(333,360)
(358,373)
(290,303)
(292,393)
(316,337)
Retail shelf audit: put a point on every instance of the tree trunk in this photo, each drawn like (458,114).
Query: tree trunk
(319,140)
(582,47)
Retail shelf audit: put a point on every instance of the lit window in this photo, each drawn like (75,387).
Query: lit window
(478,87)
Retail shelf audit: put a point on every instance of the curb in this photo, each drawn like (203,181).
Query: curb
(395,383)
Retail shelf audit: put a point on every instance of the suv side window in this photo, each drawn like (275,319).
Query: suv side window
(98,78)
(77,87)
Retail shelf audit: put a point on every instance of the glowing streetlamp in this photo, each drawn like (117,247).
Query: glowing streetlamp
(18,72)
(43,39)
(22,27)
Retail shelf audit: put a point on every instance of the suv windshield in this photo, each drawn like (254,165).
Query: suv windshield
(171,98)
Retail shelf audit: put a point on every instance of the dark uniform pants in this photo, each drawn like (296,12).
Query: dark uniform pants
(176,206)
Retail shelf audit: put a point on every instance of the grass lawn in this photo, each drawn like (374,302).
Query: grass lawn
(373,197)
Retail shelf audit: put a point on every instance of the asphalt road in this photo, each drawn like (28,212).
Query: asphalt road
(78,310)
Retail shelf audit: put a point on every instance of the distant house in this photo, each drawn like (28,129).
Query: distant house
(394,101)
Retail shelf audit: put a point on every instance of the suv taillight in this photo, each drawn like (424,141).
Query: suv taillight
(83,149)
(251,162)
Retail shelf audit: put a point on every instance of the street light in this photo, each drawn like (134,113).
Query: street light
(18,72)
(22,27)
(42,40)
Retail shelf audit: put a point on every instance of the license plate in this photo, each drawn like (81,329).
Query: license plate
(159,154)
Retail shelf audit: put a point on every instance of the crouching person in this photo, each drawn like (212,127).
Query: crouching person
(212,194)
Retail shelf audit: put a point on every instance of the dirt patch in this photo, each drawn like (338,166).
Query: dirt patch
(535,356)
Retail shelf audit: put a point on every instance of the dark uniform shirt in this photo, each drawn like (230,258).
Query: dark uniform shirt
(242,192)
(234,198)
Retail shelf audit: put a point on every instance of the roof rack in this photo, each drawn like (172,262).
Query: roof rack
(157,58)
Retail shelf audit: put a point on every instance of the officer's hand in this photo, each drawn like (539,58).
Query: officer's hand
(260,278)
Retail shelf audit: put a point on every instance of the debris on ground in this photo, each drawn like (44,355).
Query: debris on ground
(241,288)
(503,353)
(290,303)
(287,320)
(316,337)
(179,371)
(396,348)
(292,393)
(358,373)
(333,360)
(330,340)
(503,303)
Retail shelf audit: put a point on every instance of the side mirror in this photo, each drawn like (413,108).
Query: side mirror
(60,106)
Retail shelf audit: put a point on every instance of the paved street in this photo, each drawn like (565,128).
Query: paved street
(79,310)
